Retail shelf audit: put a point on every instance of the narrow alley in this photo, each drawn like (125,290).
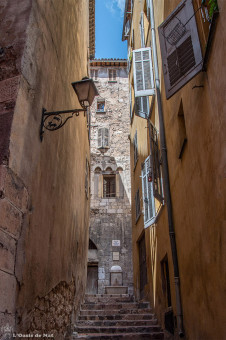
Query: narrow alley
(112,169)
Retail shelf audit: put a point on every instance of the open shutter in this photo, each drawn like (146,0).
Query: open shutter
(155,165)
(180,47)
(142,107)
(143,72)
(142,30)
(130,103)
(148,9)
(147,191)
(135,148)
(127,28)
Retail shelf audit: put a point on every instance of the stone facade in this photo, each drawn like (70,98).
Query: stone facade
(110,220)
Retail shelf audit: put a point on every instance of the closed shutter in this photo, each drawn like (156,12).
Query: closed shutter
(147,192)
(180,47)
(143,72)
(142,30)
(142,107)
(99,138)
(155,165)
(103,138)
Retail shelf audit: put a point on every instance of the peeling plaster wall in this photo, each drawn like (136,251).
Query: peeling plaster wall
(44,231)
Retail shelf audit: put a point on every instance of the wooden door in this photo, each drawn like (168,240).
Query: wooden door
(143,266)
(92,280)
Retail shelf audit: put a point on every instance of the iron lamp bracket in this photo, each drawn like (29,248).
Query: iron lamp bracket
(54,120)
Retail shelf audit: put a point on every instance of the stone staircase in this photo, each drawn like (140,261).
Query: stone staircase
(116,317)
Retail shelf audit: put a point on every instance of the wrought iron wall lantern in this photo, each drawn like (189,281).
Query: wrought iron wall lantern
(54,120)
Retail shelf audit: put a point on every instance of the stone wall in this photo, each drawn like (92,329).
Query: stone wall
(44,245)
(111,217)
(13,209)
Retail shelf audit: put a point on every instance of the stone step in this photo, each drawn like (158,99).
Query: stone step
(108,299)
(115,311)
(110,323)
(116,329)
(115,306)
(118,336)
(117,317)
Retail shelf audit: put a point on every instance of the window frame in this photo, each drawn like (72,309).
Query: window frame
(113,78)
(109,178)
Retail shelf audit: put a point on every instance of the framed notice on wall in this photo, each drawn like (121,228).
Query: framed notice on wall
(116,243)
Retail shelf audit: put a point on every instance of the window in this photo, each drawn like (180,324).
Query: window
(142,30)
(94,74)
(147,190)
(137,204)
(135,149)
(112,75)
(143,72)
(180,47)
(100,105)
(109,187)
(142,107)
(182,135)
(166,280)
(103,138)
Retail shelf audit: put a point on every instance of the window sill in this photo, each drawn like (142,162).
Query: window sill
(100,111)
(112,81)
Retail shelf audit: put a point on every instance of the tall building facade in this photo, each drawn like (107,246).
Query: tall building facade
(110,247)
(177,84)
(44,202)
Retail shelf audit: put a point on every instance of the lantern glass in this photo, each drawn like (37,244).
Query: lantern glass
(85,90)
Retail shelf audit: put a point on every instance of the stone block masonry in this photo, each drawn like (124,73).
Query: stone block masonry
(110,218)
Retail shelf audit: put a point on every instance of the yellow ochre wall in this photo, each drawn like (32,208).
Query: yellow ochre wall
(51,255)
(197,183)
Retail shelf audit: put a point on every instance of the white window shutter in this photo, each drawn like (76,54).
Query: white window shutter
(147,192)
(130,103)
(105,137)
(142,30)
(143,72)
(180,47)
(142,107)
(99,138)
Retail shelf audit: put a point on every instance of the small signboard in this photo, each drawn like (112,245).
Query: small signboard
(116,243)
(115,256)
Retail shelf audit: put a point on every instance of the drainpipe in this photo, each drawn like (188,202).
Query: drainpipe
(167,194)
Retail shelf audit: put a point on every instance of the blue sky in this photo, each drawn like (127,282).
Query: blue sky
(109,23)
